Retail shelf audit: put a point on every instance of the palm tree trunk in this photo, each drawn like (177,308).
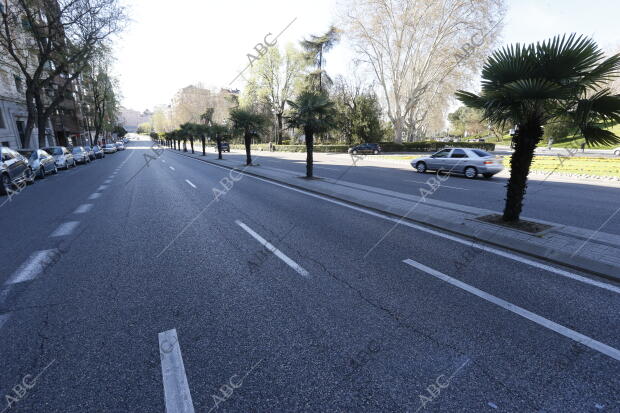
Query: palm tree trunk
(191,142)
(248,154)
(184,145)
(526,140)
(219,147)
(204,146)
(309,151)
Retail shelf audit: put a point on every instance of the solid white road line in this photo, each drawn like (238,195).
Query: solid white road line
(464,241)
(566,332)
(176,390)
(190,184)
(65,229)
(172,168)
(94,196)
(82,209)
(273,249)
(33,266)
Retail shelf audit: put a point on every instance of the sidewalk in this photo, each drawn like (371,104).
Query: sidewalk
(590,251)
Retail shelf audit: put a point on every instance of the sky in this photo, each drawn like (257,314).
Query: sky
(172,44)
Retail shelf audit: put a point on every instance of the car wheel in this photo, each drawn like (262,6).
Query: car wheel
(55,170)
(30,177)
(487,176)
(617,153)
(354,152)
(5,184)
(420,167)
(41,172)
(471,172)
(376,152)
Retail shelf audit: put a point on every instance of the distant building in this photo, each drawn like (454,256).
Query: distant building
(130,119)
(189,103)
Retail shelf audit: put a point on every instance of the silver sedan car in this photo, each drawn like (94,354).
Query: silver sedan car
(466,161)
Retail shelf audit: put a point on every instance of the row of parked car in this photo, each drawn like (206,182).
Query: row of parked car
(23,166)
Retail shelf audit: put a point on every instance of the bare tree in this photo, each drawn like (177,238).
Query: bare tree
(104,96)
(52,42)
(418,50)
(274,79)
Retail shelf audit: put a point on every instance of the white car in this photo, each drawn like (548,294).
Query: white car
(466,161)
(63,158)
(109,148)
(617,151)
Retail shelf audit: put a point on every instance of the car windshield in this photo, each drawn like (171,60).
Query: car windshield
(28,154)
(54,151)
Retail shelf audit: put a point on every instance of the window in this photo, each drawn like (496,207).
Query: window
(20,128)
(2,124)
(442,154)
(18,83)
(480,153)
(458,153)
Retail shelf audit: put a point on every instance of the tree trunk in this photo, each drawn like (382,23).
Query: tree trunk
(279,138)
(526,140)
(32,114)
(309,151)
(184,145)
(219,147)
(204,146)
(247,140)
(191,143)
(41,124)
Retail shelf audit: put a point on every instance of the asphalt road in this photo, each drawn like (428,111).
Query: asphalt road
(257,297)
(577,204)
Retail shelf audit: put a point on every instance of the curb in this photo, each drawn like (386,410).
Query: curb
(493,238)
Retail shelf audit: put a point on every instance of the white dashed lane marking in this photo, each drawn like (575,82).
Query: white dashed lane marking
(65,229)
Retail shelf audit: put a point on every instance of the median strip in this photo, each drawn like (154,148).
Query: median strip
(273,249)
(566,332)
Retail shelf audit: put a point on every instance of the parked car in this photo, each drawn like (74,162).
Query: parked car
(366,148)
(63,158)
(225,146)
(14,170)
(98,152)
(41,162)
(469,162)
(80,155)
(125,140)
(109,148)
(91,153)
(120,146)
(617,151)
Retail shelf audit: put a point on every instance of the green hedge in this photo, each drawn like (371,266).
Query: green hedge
(431,146)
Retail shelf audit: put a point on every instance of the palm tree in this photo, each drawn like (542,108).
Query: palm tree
(189,132)
(250,123)
(207,119)
(532,85)
(315,47)
(218,131)
(315,113)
